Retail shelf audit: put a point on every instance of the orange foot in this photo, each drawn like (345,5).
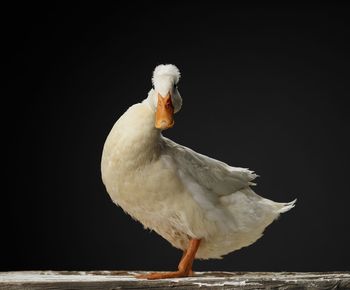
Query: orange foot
(165,275)
(185,265)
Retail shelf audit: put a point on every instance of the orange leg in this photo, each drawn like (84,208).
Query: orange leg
(184,268)
(189,266)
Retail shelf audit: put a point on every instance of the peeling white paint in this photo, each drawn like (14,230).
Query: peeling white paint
(241,283)
(50,276)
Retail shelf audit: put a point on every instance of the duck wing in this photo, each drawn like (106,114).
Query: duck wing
(210,174)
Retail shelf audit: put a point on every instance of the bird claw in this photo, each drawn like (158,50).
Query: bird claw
(164,275)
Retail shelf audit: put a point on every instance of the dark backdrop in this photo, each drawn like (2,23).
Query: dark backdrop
(264,88)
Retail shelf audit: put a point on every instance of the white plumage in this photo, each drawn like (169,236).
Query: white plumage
(176,191)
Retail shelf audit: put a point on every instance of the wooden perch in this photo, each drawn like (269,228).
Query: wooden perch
(202,280)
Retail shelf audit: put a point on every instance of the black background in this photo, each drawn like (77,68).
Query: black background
(263,87)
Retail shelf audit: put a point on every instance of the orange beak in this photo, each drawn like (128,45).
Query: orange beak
(164,113)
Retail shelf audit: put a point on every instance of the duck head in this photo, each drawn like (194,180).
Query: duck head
(165,98)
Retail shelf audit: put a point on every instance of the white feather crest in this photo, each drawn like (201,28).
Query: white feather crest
(167,71)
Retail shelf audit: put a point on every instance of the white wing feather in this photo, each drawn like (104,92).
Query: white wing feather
(213,175)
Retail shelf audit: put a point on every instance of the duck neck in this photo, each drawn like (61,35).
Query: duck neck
(141,141)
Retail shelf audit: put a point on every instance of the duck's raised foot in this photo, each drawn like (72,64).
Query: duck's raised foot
(165,275)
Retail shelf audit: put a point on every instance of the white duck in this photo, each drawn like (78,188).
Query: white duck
(200,205)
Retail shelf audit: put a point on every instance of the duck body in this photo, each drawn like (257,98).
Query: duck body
(181,194)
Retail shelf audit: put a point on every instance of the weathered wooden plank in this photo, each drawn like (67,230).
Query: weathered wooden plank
(52,280)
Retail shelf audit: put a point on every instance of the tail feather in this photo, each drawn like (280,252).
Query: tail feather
(287,206)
